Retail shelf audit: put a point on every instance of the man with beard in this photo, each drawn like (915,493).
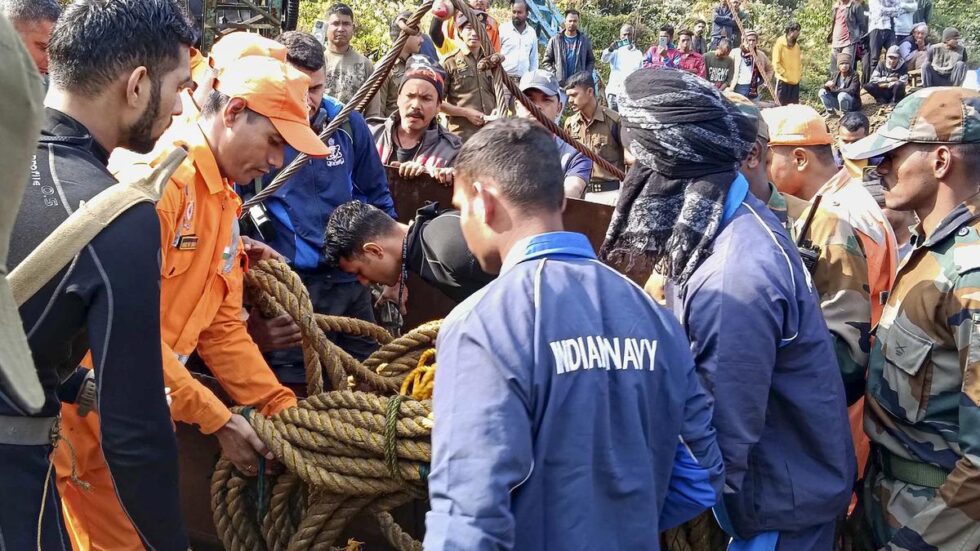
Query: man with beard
(518,45)
(923,399)
(116,70)
(769,364)
(571,51)
(411,137)
(700,45)
(787,63)
(751,63)
(258,105)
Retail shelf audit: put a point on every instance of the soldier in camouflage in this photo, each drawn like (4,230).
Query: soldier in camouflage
(841,272)
(923,398)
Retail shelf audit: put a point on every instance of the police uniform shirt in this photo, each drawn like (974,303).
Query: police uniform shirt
(601,135)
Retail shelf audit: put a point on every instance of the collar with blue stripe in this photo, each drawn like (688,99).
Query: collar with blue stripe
(736,194)
(548,245)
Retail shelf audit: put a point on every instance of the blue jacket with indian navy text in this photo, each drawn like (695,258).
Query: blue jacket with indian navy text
(569,413)
(763,351)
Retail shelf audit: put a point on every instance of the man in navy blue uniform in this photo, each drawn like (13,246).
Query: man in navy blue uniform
(748,306)
(569,415)
(299,212)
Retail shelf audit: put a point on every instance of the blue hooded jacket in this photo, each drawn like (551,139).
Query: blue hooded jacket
(300,209)
(565,424)
(764,352)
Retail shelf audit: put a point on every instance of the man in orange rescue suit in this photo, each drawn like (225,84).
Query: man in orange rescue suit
(258,105)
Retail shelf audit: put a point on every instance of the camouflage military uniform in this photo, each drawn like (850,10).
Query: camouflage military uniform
(923,400)
(924,394)
(841,279)
(853,203)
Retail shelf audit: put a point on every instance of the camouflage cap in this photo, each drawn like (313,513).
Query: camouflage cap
(941,115)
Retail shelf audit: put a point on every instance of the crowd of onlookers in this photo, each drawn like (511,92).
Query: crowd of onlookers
(729,199)
(881,47)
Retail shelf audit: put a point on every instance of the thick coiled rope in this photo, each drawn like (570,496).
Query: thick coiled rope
(348,452)
(359,449)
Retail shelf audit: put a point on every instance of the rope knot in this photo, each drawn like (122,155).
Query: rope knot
(410,31)
(490,62)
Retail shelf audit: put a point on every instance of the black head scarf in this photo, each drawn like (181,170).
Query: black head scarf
(688,141)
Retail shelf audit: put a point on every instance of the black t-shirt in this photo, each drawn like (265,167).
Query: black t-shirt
(404,155)
(437,252)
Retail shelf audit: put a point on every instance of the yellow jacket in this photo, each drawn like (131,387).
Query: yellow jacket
(787,62)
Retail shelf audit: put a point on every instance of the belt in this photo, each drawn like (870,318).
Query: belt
(27,431)
(603,185)
(909,471)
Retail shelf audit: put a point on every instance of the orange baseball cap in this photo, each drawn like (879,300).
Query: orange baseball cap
(198,64)
(237,45)
(796,125)
(275,90)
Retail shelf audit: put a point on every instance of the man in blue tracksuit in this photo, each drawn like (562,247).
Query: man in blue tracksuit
(299,212)
(569,415)
(760,341)
(739,288)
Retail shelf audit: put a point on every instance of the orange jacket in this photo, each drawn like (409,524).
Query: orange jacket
(202,280)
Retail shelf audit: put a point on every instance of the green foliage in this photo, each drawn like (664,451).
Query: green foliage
(371,22)
(965,16)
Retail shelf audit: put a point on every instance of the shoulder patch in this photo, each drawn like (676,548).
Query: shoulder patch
(965,249)
(966,257)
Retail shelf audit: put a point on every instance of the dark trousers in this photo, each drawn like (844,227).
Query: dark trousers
(349,299)
(880,39)
(787,93)
(22,488)
(892,94)
(931,77)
